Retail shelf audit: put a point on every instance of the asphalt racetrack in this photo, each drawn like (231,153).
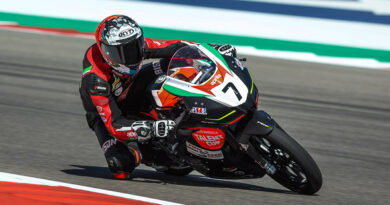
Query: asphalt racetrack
(341,115)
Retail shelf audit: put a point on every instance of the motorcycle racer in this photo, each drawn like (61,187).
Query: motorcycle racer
(113,87)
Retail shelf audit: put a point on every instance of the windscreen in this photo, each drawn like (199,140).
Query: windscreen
(191,65)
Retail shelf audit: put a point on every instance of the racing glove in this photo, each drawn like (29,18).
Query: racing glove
(225,49)
(146,130)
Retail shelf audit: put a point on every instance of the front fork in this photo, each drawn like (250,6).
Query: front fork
(258,123)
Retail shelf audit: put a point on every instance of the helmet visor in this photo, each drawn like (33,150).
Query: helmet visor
(129,54)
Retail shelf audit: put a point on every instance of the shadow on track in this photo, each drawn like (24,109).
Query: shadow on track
(149,176)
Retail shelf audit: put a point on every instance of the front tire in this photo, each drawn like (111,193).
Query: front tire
(296,169)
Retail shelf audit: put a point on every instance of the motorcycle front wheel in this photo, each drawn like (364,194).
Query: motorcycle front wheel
(295,168)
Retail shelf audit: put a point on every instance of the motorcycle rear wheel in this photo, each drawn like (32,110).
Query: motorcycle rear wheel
(296,170)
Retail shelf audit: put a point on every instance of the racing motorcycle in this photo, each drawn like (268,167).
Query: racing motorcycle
(219,130)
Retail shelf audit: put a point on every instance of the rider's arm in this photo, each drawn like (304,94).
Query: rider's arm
(97,91)
(162,49)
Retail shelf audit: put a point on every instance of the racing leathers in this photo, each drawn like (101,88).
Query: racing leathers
(116,106)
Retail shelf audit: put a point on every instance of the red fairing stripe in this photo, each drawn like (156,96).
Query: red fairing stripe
(234,121)
(102,106)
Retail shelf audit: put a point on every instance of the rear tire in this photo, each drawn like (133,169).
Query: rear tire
(296,169)
(178,171)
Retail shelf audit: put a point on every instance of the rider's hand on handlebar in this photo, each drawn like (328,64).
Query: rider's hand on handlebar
(143,130)
(146,130)
(161,128)
(225,49)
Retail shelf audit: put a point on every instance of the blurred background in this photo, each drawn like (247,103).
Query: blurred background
(322,67)
(346,32)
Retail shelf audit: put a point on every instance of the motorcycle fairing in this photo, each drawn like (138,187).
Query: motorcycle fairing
(203,153)
(209,138)
(216,113)
(223,86)
(260,123)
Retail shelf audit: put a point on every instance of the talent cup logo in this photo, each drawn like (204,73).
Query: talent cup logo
(209,138)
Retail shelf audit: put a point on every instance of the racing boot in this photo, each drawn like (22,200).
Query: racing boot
(121,160)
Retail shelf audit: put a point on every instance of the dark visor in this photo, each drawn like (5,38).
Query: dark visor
(126,54)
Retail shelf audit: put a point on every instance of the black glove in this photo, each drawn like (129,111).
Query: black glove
(147,130)
(225,49)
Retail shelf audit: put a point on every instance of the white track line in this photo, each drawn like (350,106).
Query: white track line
(310,57)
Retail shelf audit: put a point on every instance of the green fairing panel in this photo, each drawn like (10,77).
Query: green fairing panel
(181,92)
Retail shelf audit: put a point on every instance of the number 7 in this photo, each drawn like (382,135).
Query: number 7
(231,85)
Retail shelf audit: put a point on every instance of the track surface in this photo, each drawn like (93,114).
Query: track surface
(340,115)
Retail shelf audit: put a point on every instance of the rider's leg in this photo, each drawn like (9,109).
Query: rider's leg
(121,157)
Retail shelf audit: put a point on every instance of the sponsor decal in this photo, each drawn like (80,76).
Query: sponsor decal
(157,67)
(199,110)
(209,138)
(115,83)
(117,73)
(262,124)
(120,29)
(123,95)
(117,87)
(99,109)
(156,42)
(132,135)
(159,43)
(122,69)
(244,147)
(207,154)
(100,88)
(240,64)
(118,91)
(160,79)
(216,79)
(126,33)
(107,144)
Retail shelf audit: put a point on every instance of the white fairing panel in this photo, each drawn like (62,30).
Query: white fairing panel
(226,92)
